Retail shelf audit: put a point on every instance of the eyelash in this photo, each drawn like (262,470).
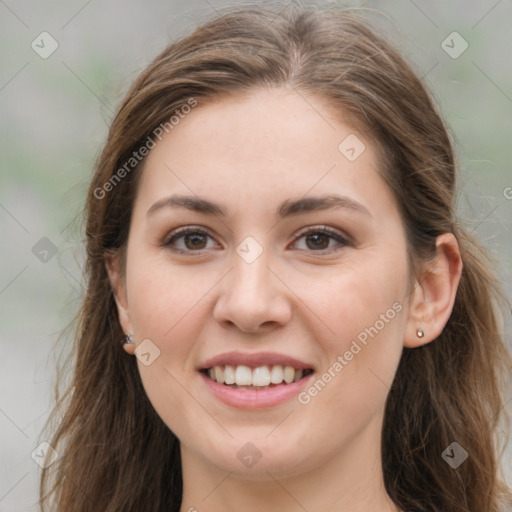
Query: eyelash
(181,232)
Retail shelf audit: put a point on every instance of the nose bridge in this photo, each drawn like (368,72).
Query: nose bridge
(251,278)
(251,295)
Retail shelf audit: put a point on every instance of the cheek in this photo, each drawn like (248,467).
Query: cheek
(167,307)
(365,307)
(361,296)
(162,298)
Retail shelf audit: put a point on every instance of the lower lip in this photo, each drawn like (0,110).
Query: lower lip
(262,399)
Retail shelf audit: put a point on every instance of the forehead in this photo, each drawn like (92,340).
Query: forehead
(269,143)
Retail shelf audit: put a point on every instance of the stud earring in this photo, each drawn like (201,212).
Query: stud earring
(129,339)
(420,333)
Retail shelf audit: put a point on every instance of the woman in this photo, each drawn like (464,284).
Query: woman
(282,311)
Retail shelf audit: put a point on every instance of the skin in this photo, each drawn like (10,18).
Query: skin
(309,301)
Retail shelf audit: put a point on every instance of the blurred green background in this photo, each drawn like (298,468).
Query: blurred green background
(55,110)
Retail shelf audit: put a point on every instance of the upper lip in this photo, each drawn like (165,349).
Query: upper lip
(254,360)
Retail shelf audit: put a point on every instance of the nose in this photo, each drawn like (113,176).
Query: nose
(253,297)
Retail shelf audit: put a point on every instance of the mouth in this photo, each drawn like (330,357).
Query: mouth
(259,378)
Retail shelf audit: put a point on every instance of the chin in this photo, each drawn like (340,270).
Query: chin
(262,460)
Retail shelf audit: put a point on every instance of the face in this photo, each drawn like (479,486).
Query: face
(269,277)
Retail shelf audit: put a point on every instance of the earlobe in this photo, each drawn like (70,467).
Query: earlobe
(129,344)
(434,295)
(118,285)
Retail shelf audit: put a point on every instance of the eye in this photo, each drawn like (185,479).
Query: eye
(319,238)
(191,240)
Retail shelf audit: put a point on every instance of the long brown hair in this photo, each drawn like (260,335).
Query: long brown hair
(116,454)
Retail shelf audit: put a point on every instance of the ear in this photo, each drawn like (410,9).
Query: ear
(435,292)
(118,283)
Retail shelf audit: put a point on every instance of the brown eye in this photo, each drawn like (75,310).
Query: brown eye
(319,239)
(195,240)
(188,240)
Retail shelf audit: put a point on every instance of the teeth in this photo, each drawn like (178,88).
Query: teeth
(276,376)
(219,374)
(289,374)
(229,375)
(261,377)
(243,376)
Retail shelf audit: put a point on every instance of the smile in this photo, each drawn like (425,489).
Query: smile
(259,378)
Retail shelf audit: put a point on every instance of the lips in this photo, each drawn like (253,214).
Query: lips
(254,360)
(254,398)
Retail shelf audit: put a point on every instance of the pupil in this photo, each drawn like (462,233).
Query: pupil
(195,237)
(316,237)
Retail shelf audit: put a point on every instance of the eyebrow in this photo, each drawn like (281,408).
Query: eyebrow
(287,208)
